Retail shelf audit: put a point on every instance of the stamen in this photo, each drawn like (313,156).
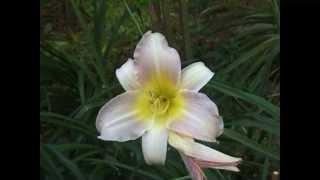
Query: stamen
(158,104)
(151,94)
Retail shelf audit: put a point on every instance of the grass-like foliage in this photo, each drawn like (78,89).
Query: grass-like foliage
(83,42)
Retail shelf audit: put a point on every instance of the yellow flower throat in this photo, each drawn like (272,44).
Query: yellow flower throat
(160,100)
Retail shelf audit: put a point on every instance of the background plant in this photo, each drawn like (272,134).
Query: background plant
(82,42)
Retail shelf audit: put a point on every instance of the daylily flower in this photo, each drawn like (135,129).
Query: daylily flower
(162,104)
(196,156)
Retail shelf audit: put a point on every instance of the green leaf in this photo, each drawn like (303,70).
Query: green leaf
(85,155)
(68,61)
(274,129)
(73,146)
(47,163)
(67,122)
(115,32)
(67,163)
(99,24)
(81,87)
(256,30)
(265,169)
(250,98)
(69,127)
(182,178)
(250,54)
(85,108)
(265,59)
(132,16)
(98,59)
(251,144)
(63,117)
(127,167)
(276,12)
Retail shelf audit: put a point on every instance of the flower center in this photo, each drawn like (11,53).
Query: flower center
(159,104)
(160,101)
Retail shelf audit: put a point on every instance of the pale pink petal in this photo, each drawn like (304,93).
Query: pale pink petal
(229,168)
(220,126)
(155,58)
(127,76)
(154,146)
(195,76)
(193,168)
(214,165)
(117,120)
(201,152)
(200,119)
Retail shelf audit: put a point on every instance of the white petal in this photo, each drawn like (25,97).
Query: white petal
(154,146)
(195,76)
(200,119)
(155,57)
(127,76)
(201,152)
(117,121)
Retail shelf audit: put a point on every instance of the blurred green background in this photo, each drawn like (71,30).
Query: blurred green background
(82,42)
